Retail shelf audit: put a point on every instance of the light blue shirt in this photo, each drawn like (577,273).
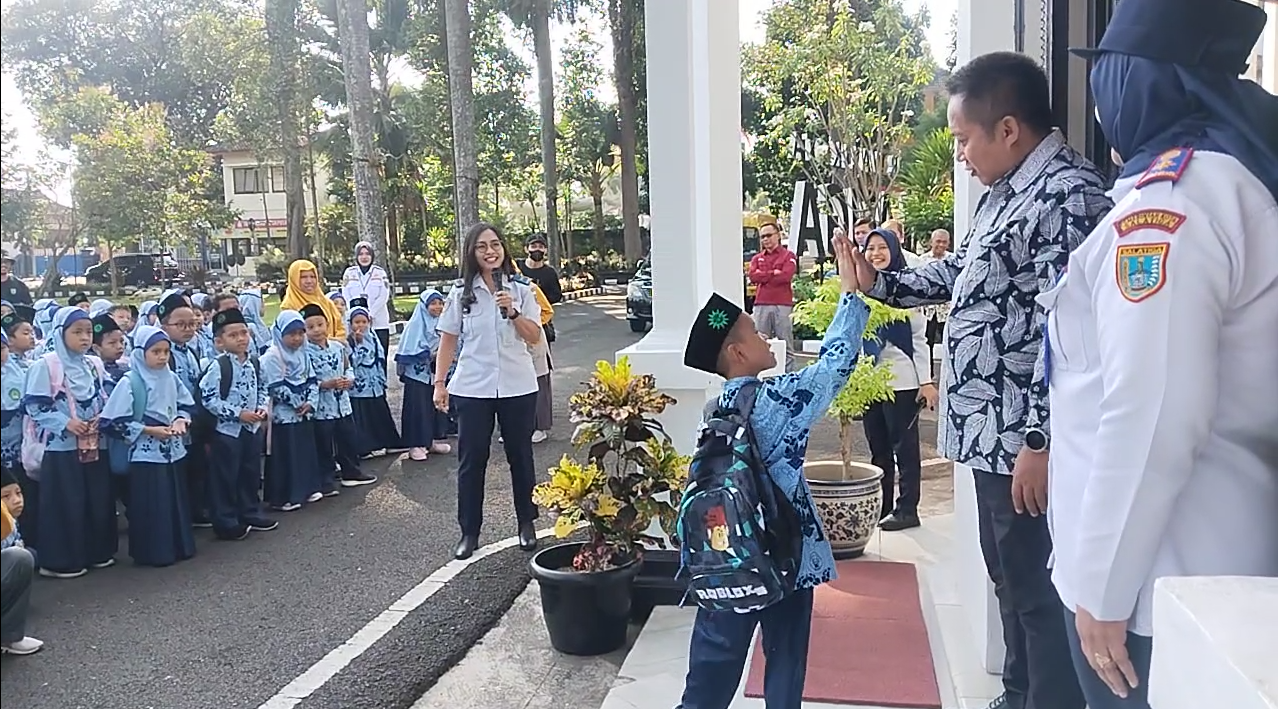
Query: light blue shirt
(496,362)
(185,360)
(143,447)
(288,398)
(369,370)
(330,362)
(51,415)
(247,393)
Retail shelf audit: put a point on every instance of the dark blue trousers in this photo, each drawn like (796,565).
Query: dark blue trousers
(336,450)
(1139,648)
(475,419)
(235,476)
(721,642)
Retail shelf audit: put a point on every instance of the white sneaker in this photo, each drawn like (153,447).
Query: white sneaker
(25,646)
(315,497)
(288,507)
(440,448)
(539,436)
(63,574)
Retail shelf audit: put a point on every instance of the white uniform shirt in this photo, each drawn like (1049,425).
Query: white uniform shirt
(375,286)
(495,363)
(1164,404)
(910,372)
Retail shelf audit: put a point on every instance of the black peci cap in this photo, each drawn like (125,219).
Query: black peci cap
(311,310)
(709,331)
(103,325)
(226,317)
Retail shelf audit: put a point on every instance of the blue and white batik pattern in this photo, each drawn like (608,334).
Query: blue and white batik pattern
(330,362)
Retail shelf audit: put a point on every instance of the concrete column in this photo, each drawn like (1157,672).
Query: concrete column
(694,149)
(983,26)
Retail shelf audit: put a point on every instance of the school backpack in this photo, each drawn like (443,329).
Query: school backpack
(34,441)
(118,449)
(205,418)
(739,536)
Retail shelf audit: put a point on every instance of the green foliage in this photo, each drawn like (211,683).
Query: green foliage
(927,179)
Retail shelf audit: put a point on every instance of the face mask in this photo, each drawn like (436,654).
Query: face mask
(536,255)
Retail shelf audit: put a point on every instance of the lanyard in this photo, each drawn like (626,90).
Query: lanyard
(1047,340)
(364,278)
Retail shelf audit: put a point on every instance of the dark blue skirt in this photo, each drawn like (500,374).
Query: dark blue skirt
(77,513)
(375,424)
(292,470)
(420,419)
(159,517)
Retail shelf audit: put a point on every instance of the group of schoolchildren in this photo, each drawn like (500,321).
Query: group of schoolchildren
(165,412)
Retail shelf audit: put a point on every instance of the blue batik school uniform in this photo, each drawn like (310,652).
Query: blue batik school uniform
(115,370)
(415,362)
(185,360)
(235,452)
(376,426)
(76,518)
(291,471)
(259,332)
(12,378)
(159,519)
(335,431)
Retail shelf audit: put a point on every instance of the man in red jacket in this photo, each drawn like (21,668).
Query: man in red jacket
(772,270)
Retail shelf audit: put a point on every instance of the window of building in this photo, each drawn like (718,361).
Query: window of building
(248,180)
(277,178)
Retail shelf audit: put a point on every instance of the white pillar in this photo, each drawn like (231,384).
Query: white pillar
(983,26)
(694,159)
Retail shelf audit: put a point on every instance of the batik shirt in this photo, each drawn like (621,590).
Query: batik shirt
(14,374)
(51,415)
(1023,231)
(202,343)
(143,447)
(369,369)
(247,393)
(287,398)
(186,362)
(784,411)
(114,370)
(330,362)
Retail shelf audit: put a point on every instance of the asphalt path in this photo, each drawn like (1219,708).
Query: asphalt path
(231,627)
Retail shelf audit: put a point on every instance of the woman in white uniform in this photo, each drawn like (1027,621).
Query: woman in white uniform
(369,281)
(495,380)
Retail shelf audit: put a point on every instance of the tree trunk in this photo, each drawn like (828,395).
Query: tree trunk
(357,71)
(622,16)
(546,99)
(282,38)
(596,196)
(461,99)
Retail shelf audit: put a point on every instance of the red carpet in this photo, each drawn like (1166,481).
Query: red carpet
(869,645)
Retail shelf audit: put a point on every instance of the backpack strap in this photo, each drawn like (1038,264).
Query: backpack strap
(138,387)
(57,378)
(228,375)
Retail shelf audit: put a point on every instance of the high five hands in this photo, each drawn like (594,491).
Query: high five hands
(855,273)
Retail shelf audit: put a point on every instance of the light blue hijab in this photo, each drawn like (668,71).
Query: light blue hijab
(12,381)
(145,311)
(251,305)
(44,311)
(80,375)
(420,338)
(367,350)
(293,362)
(161,384)
(199,299)
(99,306)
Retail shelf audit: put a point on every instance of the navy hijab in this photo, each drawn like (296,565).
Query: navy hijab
(899,333)
(1147,107)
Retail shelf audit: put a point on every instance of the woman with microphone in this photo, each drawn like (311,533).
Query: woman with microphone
(495,380)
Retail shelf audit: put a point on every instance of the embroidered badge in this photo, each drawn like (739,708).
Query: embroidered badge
(1167,167)
(1160,219)
(1141,270)
(717,319)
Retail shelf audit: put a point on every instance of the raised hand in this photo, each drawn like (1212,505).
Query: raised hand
(843,250)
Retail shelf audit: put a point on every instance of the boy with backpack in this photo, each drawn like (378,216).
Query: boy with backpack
(750,538)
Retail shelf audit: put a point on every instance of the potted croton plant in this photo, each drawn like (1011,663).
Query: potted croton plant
(627,476)
(848,493)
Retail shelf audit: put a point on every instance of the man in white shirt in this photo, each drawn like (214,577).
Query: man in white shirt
(1162,339)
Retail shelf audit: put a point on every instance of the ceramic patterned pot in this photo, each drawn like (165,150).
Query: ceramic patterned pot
(849,502)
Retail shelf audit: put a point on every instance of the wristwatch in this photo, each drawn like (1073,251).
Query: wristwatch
(1037,440)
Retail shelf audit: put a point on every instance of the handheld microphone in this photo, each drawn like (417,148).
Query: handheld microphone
(499,279)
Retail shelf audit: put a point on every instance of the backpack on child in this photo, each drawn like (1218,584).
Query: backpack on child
(118,449)
(205,418)
(34,442)
(739,538)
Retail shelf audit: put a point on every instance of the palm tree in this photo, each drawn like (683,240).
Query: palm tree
(357,73)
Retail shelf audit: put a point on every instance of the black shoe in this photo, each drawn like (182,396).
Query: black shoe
(262,524)
(466,547)
(1001,703)
(898,521)
(202,522)
(235,535)
(357,480)
(527,537)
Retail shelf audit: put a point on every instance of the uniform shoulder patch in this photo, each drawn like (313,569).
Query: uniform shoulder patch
(1163,220)
(1167,167)
(1141,270)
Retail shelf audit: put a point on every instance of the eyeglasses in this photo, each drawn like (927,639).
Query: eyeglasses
(183,324)
(489,246)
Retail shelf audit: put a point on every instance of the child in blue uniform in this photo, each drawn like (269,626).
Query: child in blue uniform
(159,518)
(65,393)
(415,362)
(235,460)
(19,340)
(376,427)
(291,477)
(108,345)
(334,424)
(259,332)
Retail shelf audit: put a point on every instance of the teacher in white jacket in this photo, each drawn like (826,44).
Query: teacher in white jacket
(369,281)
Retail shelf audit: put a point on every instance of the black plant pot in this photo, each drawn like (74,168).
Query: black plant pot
(656,584)
(586,613)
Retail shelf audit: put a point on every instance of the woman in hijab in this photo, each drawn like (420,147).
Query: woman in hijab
(377,428)
(146,312)
(304,288)
(892,427)
(415,363)
(293,476)
(64,397)
(369,281)
(259,332)
(159,517)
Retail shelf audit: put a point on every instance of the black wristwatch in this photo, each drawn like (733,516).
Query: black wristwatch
(1037,440)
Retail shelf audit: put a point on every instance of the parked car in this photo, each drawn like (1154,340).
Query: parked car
(639,298)
(137,269)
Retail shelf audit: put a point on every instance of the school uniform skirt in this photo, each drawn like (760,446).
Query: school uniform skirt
(159,515)
(376,426)
(292,470)
(420,417)
(77,527)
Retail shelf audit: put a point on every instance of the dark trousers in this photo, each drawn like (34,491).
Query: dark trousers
(1139,648)
(197,471)
(383,336)
(892,430)
(234,478)
(475,418)
(336,450)
(721,641)
(17,571)
(1038,672)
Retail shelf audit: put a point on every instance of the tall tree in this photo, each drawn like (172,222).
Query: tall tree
(366,162)
(625,18)
(461,95)
(589,125)
(284,49)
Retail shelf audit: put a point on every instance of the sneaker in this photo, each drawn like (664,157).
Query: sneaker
(417,453)
(63,574)
(263,525)
(287,507)
(332,493)
(25,646)
(898,521)
(103,564)
(202,524)
(539,436)
(361,479)
(236,536)
(1000,703)
(315,497)
(441,448)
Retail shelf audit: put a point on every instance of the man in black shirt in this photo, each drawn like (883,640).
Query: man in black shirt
(540,272)
(12,289)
